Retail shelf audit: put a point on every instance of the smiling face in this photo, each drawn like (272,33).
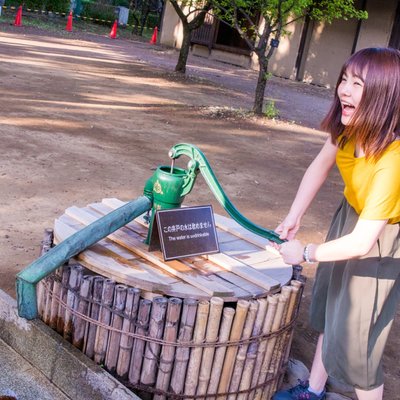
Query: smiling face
(350,91)
(366,105)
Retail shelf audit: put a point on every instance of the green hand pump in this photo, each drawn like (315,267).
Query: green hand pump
(166,189)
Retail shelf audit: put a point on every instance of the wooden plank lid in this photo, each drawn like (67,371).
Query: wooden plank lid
(246,267)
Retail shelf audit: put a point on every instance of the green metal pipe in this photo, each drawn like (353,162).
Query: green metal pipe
(79,241)
(196,155)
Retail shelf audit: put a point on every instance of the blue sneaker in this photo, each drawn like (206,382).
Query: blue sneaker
(299,392)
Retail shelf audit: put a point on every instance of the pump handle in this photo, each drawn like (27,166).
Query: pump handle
(195,154)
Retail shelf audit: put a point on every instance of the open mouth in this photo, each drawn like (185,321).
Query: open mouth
(347,109)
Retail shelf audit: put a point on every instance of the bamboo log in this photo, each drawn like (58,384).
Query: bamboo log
(291,304)
(66,270)
(168,352)
(152,351)
(242,351)
(292,307)
(55,298)
(116,322)
(281,343)
(271,345)
(97,290)
(182,353)
(214,318)
(300,286)
(100,344)
(252,350)
(286,293)
(236,333)
(297,287)
(128,325)
(48,284)
(297,283)
(196,352)
(80,327)
(139,344)
(47,242)
(225,331)
(269,319)
(72,302)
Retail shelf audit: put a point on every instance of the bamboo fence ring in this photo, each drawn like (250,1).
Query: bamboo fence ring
(167,346)
(190,344)
(171,395)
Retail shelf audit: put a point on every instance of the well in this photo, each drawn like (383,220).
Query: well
(215,326)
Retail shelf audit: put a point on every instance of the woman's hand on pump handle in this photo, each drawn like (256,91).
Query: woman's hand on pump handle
(355,244)
(293,252)
(288,228)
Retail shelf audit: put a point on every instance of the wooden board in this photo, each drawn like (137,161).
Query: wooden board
(247,267)
(231,264)
(137,273)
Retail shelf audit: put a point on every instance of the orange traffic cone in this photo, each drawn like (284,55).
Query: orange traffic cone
(153,39)
(113,33)
(18,17)
(69,22)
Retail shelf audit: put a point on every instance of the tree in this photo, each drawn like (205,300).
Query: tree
(140,11)
(261,23)
(192,14)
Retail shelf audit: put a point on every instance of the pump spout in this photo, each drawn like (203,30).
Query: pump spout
(168,187)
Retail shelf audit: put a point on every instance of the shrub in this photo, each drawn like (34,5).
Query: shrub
(42,5)
(98,10)
(270,110)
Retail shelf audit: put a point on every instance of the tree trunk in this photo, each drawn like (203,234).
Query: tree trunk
(144,13)
(132,10)
(136,25)
(261,85)
(184,52)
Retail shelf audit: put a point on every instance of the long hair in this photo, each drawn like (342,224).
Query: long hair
(376,122)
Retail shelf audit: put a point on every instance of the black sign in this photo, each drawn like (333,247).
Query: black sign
(187,231)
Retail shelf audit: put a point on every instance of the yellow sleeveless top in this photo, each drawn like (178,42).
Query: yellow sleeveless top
(372,187)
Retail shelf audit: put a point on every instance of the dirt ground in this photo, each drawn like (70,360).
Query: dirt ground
(84,117)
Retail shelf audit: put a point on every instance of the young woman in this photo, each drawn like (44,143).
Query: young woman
(357,284)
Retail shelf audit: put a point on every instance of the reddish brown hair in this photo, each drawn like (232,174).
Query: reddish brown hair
(376,122)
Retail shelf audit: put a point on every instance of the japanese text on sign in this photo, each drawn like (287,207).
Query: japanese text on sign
(187,232)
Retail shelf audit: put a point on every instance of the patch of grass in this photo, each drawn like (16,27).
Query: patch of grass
(270,110)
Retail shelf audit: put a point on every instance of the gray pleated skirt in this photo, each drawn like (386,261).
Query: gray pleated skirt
(354,303)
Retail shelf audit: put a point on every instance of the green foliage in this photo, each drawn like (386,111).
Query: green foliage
(329,10)
(152,20)
(268,76)
(244,15)
(260,21)
(121,3)
(270,110)
(46,5)
(98,11)
(196,4)
(57,5)
(135,19)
